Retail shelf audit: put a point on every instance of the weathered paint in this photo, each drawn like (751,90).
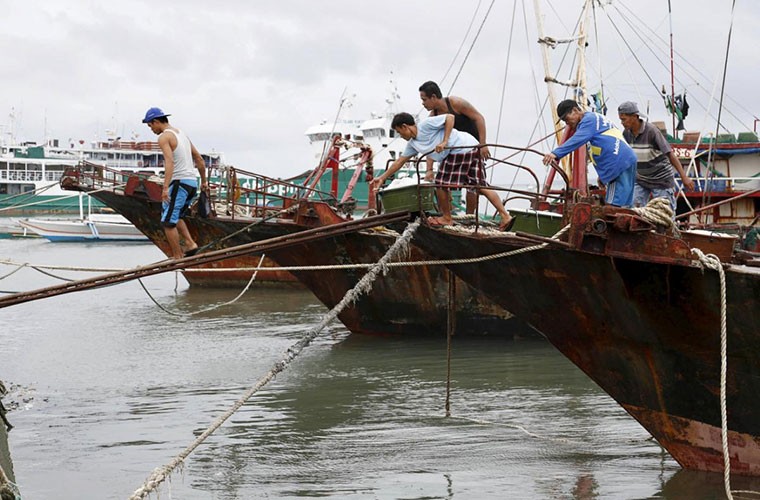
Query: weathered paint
(645,328)
(141,209)
(405,300)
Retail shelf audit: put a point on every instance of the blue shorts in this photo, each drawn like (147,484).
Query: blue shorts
(620,189)
(181,193)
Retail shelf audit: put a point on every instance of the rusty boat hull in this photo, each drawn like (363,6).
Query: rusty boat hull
(404,300)
(639,317)
(145,214)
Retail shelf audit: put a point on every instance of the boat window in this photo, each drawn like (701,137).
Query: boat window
(323,136)
(392,133)
(374,132)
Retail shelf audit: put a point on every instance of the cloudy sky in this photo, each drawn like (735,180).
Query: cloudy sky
(248,77)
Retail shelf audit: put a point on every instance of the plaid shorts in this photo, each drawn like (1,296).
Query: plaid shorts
(462,169)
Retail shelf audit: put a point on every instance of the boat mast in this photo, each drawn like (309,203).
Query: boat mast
(548,78)
(576,171)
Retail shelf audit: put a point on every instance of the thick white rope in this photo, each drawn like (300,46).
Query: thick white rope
(8,487)
(250,282)
(658,212)
(442,262)
(364,285)
(713,262)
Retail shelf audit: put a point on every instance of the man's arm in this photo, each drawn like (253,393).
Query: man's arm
(688,184)
(165,143)
(200,165)
(463,107)
(583,133)
(395,166)
(429,171)
(448,126)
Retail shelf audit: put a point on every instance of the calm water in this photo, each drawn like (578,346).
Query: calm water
(119,387)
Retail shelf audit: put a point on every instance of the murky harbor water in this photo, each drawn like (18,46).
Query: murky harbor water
(120,387)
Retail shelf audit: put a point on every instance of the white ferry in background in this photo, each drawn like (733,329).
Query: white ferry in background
(375,132)
(29,172)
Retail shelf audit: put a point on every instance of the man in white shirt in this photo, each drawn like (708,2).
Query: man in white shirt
(460,160)
(180,180)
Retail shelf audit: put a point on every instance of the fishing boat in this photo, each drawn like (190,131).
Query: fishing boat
(663,319)
(30,172)
(87,227)
(93,227)
(638,313)
(403,302)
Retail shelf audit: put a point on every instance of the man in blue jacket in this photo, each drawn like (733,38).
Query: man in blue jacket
(613,158)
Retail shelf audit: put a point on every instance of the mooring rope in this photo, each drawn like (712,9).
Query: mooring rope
(250,282)
(519,428)
(8,489)
(713,262)
(160,474)
(658,212)
(331,267)
(19,267)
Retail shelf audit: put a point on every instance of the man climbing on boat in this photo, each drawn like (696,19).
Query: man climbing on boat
(613,158)
(180,180)
(654,175)
(466,119)
(461,163)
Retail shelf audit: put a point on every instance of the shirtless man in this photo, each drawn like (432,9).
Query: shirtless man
(466,119)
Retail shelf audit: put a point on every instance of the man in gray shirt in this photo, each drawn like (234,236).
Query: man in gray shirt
(655,159)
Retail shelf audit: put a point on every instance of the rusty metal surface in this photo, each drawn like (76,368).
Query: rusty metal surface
(405,301)
(645,329)
(139,207)
(168,265)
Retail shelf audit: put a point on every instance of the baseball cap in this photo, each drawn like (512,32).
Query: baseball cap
(154,113)
(565,107)
(629,108)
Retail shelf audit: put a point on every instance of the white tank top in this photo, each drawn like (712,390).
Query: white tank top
(184,168)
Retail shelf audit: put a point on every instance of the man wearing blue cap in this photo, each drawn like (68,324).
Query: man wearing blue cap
(180,180)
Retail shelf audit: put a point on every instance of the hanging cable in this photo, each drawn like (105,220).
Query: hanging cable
(690,65)
(472,45)
(464,39)
(504,81)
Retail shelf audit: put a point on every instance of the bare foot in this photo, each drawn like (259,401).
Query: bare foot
(439,221)
(506,224)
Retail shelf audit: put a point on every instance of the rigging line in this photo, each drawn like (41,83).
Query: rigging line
(539,123)
(464,39)
(504,82)
(687,63)
(631,50)
(710,152)
(672,72)
(664,65)
(472,46)
(599,52)
(628,69)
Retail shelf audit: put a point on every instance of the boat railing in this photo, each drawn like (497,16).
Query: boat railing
(537,198)
(255,195)
(722,184)
(22,175)
(96,176)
